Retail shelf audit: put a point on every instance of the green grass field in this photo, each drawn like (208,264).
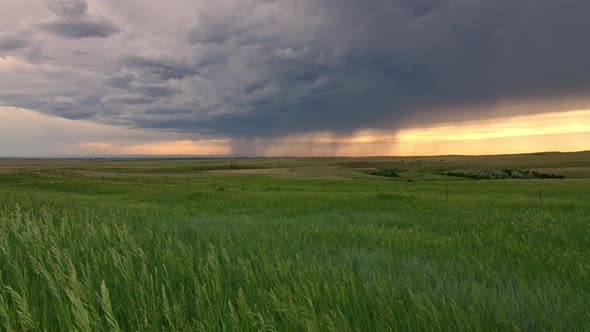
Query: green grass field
(310,244)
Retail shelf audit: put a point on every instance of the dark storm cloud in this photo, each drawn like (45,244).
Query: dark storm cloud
(129,99)
(85,27)
(249,69)
(35,55)
(68,108)
(214,32)
(14,40)
(461,54)
(73,21)
(164,68)
(120,80)
(157,90)
(68,8)
(390,63)
(163,111)
(419,8)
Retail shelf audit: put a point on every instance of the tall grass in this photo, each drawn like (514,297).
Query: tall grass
(89,257)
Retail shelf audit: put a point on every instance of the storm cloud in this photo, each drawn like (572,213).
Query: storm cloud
(73,21)
(164,68)
(80,28)
(14,40)
(251,68)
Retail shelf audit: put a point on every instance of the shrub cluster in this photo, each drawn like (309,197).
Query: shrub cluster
(490,174)
(390,173)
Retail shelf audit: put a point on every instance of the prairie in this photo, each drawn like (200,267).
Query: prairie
(294,244)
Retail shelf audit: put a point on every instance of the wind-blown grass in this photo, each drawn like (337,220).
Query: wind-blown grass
(91,255)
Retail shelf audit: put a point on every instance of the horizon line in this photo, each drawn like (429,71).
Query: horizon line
(189,156)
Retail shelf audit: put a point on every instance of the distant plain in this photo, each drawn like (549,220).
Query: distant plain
(381,243)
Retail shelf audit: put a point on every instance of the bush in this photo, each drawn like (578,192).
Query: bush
(390,173)
(502,174)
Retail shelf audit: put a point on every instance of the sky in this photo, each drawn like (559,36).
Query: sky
(293,77)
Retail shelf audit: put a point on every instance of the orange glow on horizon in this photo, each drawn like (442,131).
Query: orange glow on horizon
(560,131)
(184,147)
(557,131)
(526,125)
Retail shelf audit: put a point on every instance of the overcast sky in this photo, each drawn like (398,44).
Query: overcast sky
(257,71)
